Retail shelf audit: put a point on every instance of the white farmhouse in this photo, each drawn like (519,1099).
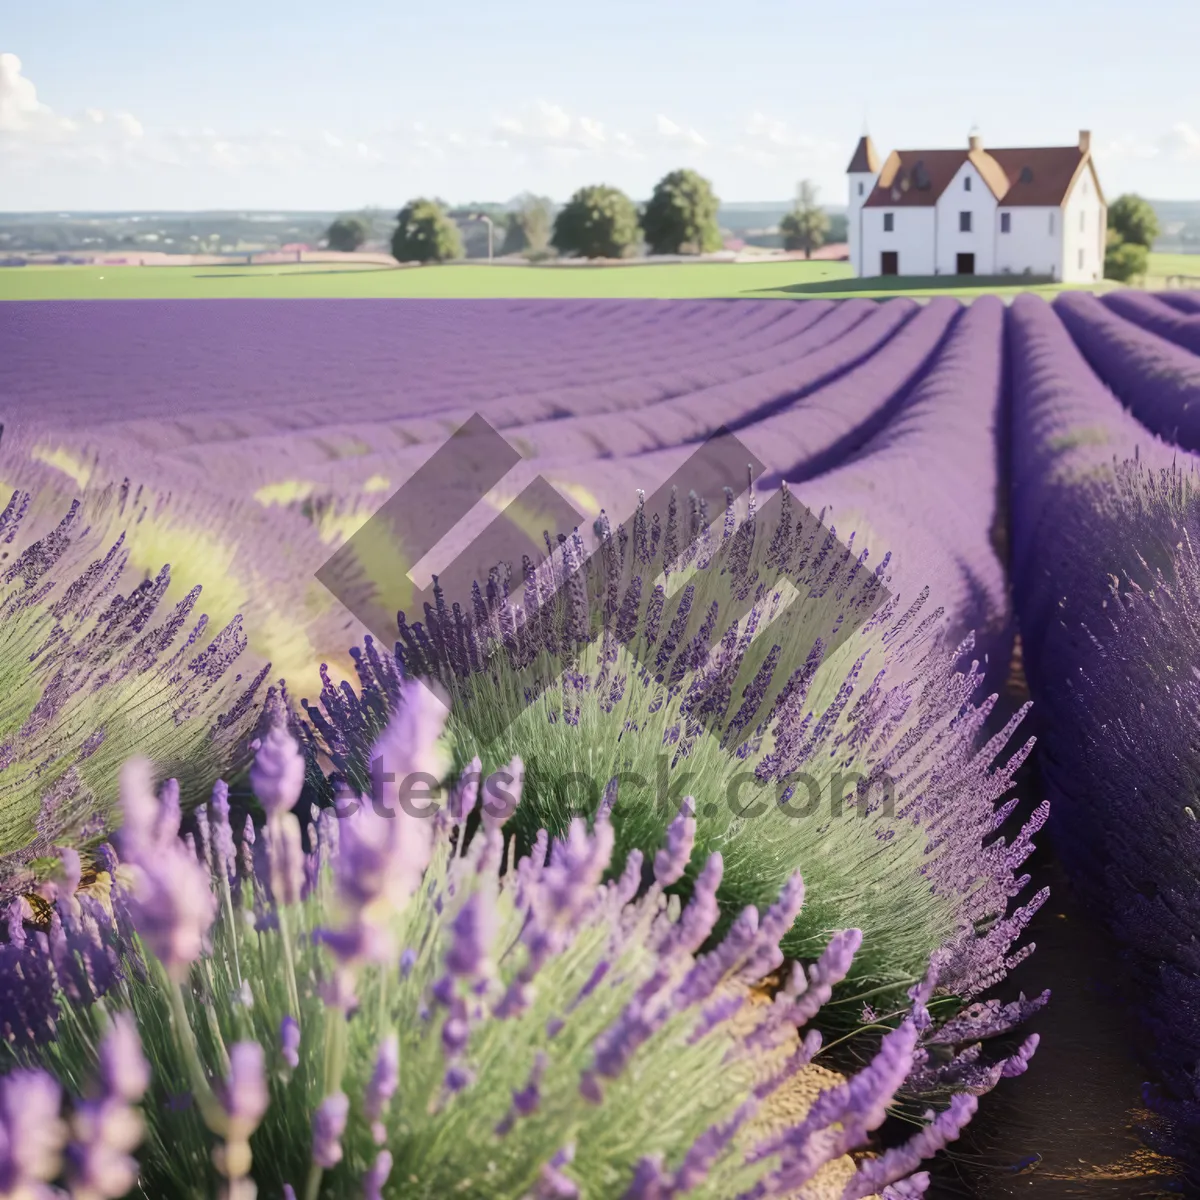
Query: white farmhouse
(978,212)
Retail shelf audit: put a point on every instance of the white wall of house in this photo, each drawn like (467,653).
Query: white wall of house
(861,185)
(1084,220)
(966,193)
(1033,243)
(911,236)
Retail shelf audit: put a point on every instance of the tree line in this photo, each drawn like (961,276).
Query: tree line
(598,221)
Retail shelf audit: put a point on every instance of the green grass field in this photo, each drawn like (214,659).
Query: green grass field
(460,281)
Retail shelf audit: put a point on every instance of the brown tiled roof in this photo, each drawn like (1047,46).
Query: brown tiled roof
(915,178)
(865,158)
(1041,176)
(1037,177)
(991,171)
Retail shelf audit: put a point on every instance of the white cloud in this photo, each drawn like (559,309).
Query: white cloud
(21,113)
(129,125)
(768,139)
(677,133)
(549,127)
(1182,143)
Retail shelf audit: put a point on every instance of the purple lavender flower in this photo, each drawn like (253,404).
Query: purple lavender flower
(32,1133)
(173,900)
(377,1176)
(289,1041)
(277,775)
(473,929)
(245,1097)
(328,1125)
(381,1087)
(671,861)
(107,1129)
(552,1184)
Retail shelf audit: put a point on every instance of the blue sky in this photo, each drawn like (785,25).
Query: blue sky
(270,104)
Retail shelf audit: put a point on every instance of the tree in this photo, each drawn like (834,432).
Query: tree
(425,233)
(597,222)
(682,212)
(347,233)
(805,227)
(1123,260)
(529,226)
(1133,220)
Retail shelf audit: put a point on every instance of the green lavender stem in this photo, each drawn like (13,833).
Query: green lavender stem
(210,1108)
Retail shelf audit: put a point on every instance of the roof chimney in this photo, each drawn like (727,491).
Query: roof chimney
(1085,141)
(975,143)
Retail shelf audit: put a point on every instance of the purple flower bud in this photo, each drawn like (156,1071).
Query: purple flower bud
(224,852)
(173,904)
(672,860)
(245,1096)
(384,1081)
(407,961)
(277,775)
(458,1077)
(473,928)
(466,791)
(289,1041)
(31,1132)
(377,1176)
(328,1125)
(106,1129)
(552,1184)
(650,1181)
(124,1072)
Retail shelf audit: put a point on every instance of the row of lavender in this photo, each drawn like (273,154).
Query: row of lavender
(1106,588)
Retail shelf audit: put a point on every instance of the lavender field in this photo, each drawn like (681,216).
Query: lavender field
(950,549)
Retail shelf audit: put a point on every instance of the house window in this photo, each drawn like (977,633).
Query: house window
(1051,222)
(860,187)
(888,222)
(1005,222)
(1081,258)
(966,183)
(964,222)
(1085,187)
(1082,215)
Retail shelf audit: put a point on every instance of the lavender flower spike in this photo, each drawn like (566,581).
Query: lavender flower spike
(328,1125)
(107,1129)
(671,861)
(384,1081)
(174,905)
(31,1133)
(289,1041)
(245,1099)
(377,1176)
(277,775)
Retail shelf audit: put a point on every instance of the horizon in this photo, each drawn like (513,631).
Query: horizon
(271,106)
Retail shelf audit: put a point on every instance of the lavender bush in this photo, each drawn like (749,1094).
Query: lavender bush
(408,1011)
(95,662)
(854,759)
